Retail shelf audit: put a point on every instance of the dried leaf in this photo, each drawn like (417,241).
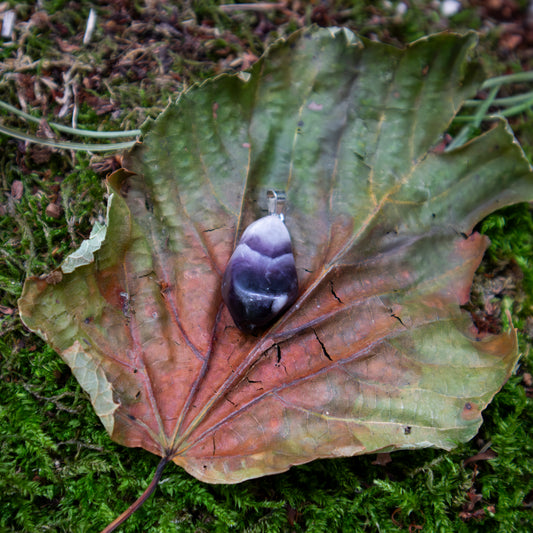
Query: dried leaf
(84,255)
(376,354)
(17,190)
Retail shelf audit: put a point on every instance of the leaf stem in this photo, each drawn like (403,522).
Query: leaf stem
(137,503)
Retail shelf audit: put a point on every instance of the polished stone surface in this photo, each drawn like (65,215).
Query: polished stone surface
(260,281)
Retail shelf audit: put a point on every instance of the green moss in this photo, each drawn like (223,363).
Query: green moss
(511,233)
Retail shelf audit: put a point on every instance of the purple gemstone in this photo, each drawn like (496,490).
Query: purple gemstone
(260,281)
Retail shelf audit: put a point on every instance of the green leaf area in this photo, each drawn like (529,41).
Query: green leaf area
(376,354)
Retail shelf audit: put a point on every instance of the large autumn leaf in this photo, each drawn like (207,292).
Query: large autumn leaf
(376,353)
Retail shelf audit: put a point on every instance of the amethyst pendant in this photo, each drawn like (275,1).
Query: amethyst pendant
(260,281)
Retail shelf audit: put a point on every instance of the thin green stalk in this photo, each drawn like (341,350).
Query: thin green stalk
(517,109)
(67,129)
(482,111)
(502,102)
(512,105)
(468,130)
(66,145)
(519,77)
(520,107)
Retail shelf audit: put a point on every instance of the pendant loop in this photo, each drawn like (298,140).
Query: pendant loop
(275,201)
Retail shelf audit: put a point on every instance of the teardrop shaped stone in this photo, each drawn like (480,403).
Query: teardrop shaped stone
(260,280)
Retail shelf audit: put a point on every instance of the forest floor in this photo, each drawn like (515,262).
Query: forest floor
(59,471)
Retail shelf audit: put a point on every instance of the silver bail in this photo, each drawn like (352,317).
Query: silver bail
(275,201)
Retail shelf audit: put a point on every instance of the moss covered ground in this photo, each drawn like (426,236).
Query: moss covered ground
(59,471)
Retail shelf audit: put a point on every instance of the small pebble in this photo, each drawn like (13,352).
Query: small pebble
(450,7)
(53,210)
